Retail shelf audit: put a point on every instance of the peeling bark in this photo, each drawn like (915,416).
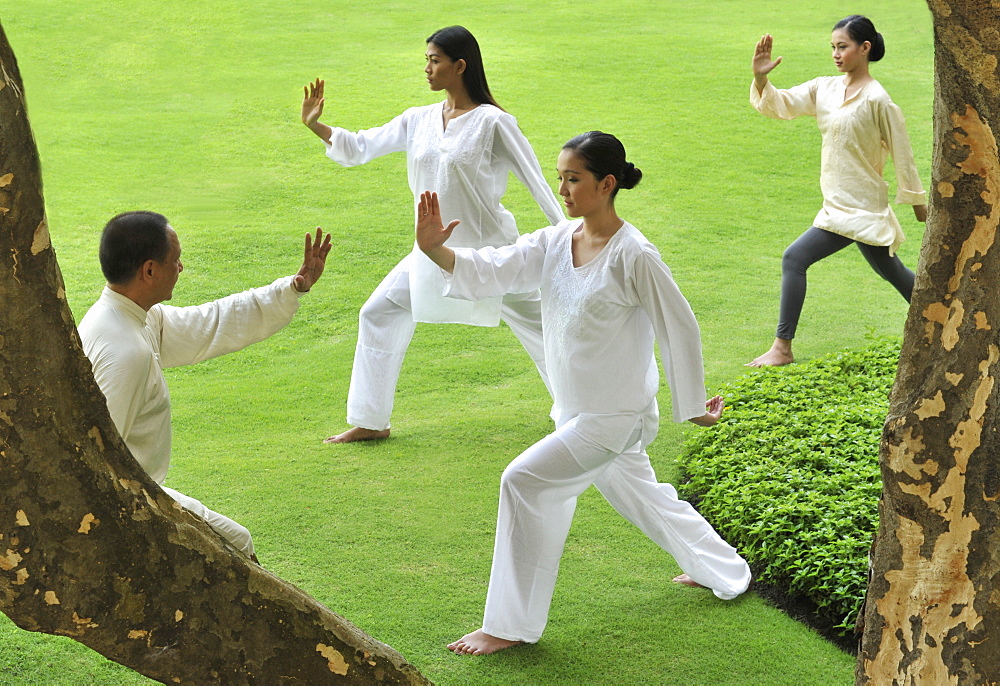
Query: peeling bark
(932,615)
(90,547)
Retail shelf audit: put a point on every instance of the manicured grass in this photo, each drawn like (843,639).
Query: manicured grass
(191,109)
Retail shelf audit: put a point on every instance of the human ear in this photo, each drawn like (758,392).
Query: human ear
(460,66)
(608,183)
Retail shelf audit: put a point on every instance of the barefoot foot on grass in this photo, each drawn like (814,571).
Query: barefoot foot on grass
(358,433)
(480,643)
(687,581)
(779,355)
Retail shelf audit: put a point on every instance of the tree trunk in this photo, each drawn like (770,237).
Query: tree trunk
(90,547)
(932,615)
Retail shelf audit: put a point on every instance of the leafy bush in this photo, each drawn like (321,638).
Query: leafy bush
(790,474)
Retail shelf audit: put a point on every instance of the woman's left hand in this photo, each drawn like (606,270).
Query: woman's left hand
(921,212)
(713,411)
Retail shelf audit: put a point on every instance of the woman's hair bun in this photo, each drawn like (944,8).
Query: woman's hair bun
(878,48)
(631,176)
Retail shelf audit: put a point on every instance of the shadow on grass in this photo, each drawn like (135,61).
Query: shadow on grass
(802,609)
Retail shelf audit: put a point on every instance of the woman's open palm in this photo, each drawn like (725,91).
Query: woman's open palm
(762,62)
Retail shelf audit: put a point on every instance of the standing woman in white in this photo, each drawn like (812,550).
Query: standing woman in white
(860,126)
(606,297)
(464,148)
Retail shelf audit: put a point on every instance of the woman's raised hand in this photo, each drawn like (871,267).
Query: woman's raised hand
(312,102)
(762,62)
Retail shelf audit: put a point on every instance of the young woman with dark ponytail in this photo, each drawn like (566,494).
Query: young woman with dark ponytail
(606,298)
(464,147)
(860,126)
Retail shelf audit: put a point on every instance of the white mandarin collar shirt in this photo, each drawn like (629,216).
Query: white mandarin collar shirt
(467,164)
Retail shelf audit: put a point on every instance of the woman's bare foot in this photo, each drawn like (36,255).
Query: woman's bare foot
(687,581)
(480,643)
(357,433)
(780,354)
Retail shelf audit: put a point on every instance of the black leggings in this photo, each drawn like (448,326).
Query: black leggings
(813,246)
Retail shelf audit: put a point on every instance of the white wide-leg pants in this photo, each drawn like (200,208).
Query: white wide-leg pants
(233,532)
(538,493)
(385,329)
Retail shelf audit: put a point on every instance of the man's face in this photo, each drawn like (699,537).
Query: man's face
(166,272)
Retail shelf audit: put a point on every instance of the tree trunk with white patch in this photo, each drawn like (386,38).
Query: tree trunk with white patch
(90,547)
(932,615)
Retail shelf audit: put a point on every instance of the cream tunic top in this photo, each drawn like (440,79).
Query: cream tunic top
(468,165)
(858,134)
(599,322)
(129,347)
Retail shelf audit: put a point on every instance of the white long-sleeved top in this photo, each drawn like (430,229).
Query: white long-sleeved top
(129,347)
(858,134)
(599,322)
(468,165)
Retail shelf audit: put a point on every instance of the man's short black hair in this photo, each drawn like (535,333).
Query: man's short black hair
(129,240)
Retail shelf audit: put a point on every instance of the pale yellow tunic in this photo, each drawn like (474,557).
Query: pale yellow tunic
(858,134)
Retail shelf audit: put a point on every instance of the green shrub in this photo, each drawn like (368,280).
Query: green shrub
(790,474)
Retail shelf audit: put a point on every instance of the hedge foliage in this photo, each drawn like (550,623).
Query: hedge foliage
(790,474)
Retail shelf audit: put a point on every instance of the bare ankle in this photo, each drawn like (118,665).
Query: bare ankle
(783,346)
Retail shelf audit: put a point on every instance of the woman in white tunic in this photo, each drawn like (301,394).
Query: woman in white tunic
(860,126)
(606,296)
(464,148)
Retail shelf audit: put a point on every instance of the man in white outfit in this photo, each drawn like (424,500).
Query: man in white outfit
(129,336)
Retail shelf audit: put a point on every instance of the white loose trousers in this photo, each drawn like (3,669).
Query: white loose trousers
(538,493)
(385,329)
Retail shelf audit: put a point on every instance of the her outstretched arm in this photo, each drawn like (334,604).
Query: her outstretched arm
(431,232)
(510,145)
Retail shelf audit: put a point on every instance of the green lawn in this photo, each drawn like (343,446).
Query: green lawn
(191,109)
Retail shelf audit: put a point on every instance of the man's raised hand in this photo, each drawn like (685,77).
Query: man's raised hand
(431,232)
(313,261)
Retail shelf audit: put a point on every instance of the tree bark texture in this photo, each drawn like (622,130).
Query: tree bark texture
(932,615)
(90,547)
